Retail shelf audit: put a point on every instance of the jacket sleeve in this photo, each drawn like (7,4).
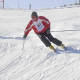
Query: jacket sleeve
(28,28)
(45,19)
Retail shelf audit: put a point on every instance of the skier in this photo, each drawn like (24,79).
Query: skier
(41,27)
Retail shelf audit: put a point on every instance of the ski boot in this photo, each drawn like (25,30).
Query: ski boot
(52,48)
(63,46)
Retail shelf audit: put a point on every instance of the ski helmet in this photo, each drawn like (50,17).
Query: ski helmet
(34,14)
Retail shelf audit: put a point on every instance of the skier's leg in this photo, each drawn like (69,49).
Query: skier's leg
(52,39)
(56,41)
(46,41)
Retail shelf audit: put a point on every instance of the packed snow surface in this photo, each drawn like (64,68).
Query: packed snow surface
(30,59)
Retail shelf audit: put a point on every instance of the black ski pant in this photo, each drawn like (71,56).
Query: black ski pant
(47,38)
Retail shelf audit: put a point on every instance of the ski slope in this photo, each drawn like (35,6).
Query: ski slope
(31,60)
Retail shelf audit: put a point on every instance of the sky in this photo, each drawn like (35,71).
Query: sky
(36,4)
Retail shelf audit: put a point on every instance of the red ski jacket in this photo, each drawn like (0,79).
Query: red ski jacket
(39,26)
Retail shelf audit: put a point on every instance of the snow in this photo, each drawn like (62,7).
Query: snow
(31,60)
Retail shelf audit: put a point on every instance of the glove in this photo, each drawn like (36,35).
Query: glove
(24,36)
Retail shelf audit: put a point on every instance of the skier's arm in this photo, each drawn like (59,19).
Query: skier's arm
(44,19)
(28,29)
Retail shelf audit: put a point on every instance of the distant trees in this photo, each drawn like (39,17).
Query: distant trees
(79,2)
(30,6)
(1,3)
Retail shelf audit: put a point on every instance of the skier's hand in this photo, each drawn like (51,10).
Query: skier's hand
(24,37)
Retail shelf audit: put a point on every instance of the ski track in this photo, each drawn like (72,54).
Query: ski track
(31,60)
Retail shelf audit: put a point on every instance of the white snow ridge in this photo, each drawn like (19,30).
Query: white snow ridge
(33,61)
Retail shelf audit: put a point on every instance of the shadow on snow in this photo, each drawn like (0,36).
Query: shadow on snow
(15,38)
(69,50)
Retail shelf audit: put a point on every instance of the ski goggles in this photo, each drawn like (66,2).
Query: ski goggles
(34,18)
